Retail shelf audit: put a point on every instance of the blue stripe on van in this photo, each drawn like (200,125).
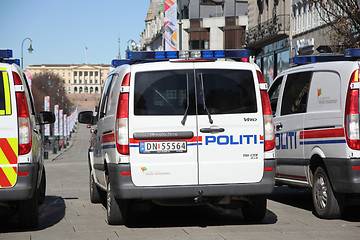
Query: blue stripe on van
(323,142)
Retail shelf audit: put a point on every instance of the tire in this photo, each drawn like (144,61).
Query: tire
(327,203)
(28,212)
(95,194)
(42,188)
(255,210)
(117,209)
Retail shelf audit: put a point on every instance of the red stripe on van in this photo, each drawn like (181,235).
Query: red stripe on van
(323,133)
(108,138)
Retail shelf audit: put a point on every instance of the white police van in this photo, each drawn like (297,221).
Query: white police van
(183,129)
(316,119)
(22,172)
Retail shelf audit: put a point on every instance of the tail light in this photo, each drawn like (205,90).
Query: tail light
(23,117)
(352,112)
(269,132)
(122,118)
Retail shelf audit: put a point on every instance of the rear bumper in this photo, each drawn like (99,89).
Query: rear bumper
(25,185)
(343,177)
(125,189)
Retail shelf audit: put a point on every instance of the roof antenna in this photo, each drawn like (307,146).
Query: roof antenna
(119,56)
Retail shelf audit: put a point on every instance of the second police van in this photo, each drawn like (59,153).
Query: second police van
(317,125)
(183,131)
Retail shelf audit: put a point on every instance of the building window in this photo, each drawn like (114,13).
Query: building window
(80,74)
(75,89)
(96,89)
(96,74)
(75,74)
(74,81)
(91,74)
(91,89)
(80,89)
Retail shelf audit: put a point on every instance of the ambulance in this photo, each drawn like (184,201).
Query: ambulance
(22,172)
(317,125)
(183,127)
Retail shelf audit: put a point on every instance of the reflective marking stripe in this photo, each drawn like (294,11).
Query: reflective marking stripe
(4,182)
(8,161)
(8,148)
(8,176)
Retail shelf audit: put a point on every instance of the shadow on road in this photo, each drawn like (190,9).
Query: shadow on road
(50,213)
(302,198)
(200,216)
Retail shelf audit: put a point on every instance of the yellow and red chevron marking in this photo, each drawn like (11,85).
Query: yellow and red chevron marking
(8,162)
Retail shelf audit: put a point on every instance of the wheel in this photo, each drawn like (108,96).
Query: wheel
(28,212)
(42,188)
(95,194)
(327,203)
(117,209)
(255,210)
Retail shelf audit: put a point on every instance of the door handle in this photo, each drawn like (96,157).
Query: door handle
(279,127)
(212,130)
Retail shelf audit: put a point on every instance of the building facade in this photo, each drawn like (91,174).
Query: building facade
(77,78)
(268,35)
(310,33)
(203,24)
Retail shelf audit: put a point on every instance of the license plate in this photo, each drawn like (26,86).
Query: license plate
(163,147)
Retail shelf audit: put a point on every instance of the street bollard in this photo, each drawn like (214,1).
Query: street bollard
(55,150)
(46,155)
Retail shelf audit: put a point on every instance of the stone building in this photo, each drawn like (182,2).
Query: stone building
(77,78)
(205,24)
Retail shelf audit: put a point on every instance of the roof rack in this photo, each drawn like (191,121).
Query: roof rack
(350,54)
(146,56)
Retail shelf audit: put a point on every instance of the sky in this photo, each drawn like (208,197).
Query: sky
(61,30)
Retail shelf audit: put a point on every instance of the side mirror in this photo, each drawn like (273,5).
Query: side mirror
(86,117)
(46,117)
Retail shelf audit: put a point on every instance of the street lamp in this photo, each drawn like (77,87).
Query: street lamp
(30,49)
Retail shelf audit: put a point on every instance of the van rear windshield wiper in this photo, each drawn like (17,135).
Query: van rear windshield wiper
(203,98)
(187,99)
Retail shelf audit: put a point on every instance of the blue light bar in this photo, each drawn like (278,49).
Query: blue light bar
(318,58)
(187,54)
(352,52)
(6,53)
(242,53)
(13,61)
(119,62)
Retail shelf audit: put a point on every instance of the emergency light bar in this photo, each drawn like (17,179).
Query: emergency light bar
(242,54)
(6,53)
(318,58)
(13,61)
(349,55)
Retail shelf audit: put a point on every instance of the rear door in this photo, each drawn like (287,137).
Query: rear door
(230,124)
(162,125)
(8,131)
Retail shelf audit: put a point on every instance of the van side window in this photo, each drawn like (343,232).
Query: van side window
(296,91)
(274,94)
(105,96)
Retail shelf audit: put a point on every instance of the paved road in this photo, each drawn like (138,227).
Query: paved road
(68,214)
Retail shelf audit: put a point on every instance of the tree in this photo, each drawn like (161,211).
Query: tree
(50,85)
(343,17)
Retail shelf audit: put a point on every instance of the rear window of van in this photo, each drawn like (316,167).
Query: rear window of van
(174,92)
(5,100)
